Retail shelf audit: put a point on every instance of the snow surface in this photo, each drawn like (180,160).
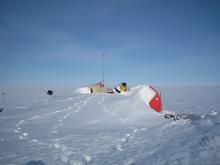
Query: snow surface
(77,129)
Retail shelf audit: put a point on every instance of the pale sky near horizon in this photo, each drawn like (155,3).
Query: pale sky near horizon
(172,42)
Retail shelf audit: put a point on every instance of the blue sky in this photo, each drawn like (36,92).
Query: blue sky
(172,42)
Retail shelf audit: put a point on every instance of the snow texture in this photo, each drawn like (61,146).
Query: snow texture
(73,127)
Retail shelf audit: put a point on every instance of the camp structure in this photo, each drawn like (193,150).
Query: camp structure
(121,88)
(100,88)
(149,94)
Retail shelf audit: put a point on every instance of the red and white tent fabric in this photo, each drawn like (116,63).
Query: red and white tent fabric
(152,98)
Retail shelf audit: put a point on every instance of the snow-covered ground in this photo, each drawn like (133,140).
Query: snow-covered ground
(100,129)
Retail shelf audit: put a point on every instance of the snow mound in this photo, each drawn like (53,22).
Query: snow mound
(131,108)
(83,90)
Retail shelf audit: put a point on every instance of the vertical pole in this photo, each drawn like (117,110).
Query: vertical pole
(103,69)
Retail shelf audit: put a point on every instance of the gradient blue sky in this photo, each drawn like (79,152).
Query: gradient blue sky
(162,42)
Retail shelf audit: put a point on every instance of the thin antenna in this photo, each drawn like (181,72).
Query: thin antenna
(103,68)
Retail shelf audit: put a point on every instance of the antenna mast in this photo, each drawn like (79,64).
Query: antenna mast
(103,68)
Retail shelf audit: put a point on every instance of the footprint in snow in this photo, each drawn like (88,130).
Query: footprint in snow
(21,122)
(84,103)
(77,110)
(130,162)
(119,148)
(135,131)
(35,140)
(54,131)
(21,137)
(63,151)
(88,158)
(202,116)
(128,134)
(25,134)
(64,159)
(34,117)
(123,140)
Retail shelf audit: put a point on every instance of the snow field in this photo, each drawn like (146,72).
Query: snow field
(80,129)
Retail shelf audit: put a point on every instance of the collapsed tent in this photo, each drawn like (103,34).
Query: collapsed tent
(156,102)
(152,98)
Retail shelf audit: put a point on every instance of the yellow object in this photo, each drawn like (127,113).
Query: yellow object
(123,88)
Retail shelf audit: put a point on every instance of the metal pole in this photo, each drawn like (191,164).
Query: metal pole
(103,69)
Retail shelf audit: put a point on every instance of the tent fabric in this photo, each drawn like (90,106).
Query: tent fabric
(100,88)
